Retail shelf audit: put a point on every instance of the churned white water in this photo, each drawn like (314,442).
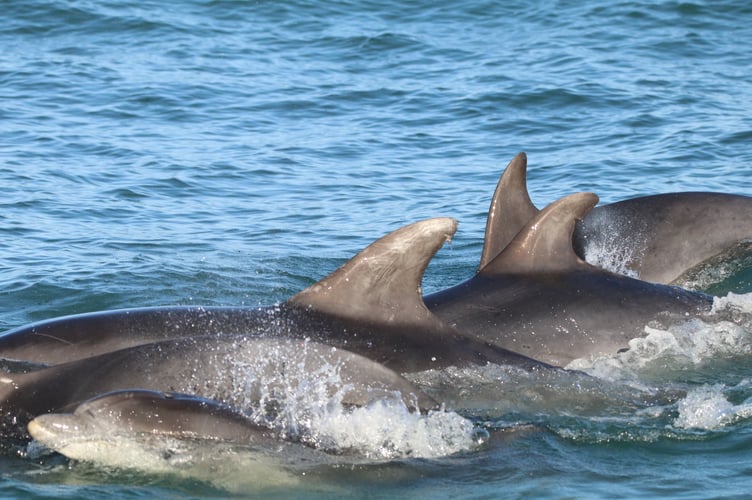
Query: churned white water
(707,408)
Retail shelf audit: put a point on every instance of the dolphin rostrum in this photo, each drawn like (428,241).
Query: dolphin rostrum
(372,306)
(655,238)
(539,298)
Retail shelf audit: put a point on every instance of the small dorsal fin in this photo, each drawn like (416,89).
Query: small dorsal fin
(545,243)
(383,282)
(511,208)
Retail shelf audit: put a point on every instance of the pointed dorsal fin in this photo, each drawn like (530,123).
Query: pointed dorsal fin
(383,282)
(545,243)
(510,209)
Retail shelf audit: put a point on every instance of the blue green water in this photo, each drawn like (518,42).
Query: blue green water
(232,153)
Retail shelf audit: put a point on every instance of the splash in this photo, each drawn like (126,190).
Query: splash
(304,403)
(739,306)
(387,430)
(613,257)
(696,368)
(707,408)
(384,430)
(608,250)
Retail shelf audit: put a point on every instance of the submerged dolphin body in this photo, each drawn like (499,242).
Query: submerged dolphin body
(654,238)
(372,306)
(235,371)
(537,297)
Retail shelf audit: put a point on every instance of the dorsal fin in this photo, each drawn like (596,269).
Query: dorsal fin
(383,282)
(511,208)
(545,243)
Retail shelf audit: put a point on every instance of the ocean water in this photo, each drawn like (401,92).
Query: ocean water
(233,153)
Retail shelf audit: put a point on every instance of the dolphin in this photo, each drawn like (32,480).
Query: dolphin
(539,298)
(372,305)
(141,411)
(177,434)
(670,235)
(234,370)
(655,238)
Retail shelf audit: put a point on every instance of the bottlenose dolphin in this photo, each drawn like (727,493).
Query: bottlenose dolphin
(233,370)
(177,434)
(539,298)
(669,235)
(142,411)
(655,238)
(372,306)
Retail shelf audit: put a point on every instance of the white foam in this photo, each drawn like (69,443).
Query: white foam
(310,411)
(733,303)
(706,408)
(386,430)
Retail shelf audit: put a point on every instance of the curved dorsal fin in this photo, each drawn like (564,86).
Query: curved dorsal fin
(510,209)
(382,282)
(545,243)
